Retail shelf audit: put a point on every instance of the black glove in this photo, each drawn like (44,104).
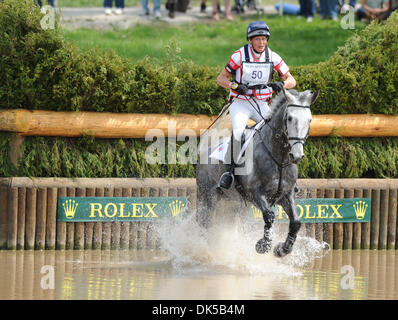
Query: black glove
(277,86)
(240,88)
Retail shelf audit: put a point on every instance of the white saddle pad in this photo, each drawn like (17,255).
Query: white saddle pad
(220,151)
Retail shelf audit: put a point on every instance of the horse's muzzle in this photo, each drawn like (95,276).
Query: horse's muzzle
(296,159)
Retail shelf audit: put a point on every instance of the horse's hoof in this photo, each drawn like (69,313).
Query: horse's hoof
(263,245)
(279,251)
(326,246)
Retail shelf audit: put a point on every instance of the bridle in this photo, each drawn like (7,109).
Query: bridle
(297,139)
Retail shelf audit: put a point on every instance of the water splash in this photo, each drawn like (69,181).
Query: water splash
(231,248)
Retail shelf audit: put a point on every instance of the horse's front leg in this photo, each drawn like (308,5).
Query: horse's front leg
(264,244)
(206,207)
(288,203)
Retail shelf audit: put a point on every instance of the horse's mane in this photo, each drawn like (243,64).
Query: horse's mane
(280,100)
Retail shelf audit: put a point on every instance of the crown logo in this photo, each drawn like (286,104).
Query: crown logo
(176,206)
(70,207)
(257,214)
(360,209)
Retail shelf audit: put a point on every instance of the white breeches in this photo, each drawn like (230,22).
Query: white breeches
(243,110)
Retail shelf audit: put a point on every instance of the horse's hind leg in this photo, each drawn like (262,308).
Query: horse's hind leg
(289,205)
(264,244)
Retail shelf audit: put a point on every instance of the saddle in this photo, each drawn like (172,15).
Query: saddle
(224,146)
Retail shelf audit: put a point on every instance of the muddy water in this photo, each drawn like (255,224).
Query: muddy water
(152,275)
(221,265)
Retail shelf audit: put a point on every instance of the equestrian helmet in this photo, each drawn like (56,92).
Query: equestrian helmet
(257,28)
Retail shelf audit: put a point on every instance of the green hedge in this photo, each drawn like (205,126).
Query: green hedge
(88,157)
(361,77)
(40,70)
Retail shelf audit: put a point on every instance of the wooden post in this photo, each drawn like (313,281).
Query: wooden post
(21,218)
(328,235)
(125,226)
(356,238)
(40,242)
(392,219)
(365,227)
(79,226)
(97,232)
(115,226)
(375,219)
(70,226)
(151,239)
(51,221)
(3,217)
(163,192)
(348,226)
(143,225)
(61,226)
(384,196)
(30,222)
(338,226)
(89,226)
(107,226)
(309,227)
(319,233)
(12,218)
(135,192)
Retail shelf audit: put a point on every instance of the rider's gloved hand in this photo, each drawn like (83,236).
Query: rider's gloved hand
(277,86)
(239,88)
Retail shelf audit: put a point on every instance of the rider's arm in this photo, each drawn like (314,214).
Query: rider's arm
(290,82)
(224,79)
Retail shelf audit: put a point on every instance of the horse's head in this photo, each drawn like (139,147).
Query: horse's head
(297,119)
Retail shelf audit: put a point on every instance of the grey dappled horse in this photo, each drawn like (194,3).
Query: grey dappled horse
(278,146)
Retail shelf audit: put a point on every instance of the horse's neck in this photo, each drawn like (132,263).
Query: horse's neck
(276,137)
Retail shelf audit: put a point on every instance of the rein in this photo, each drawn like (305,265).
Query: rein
(282,165)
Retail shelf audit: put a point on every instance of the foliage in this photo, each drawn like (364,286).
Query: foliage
(331,157)
(361,77)
(40,70)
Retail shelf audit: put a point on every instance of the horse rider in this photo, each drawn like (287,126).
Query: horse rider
(250,68)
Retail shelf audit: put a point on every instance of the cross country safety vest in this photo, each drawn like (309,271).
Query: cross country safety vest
(252,73)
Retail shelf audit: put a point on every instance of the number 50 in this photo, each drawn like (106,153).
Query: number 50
(257,75)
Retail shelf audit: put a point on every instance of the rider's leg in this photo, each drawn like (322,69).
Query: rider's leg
(239,115)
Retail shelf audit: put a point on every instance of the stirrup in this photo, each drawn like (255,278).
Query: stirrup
(225,174)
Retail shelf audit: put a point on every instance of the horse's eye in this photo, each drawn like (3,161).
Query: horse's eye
(289,118)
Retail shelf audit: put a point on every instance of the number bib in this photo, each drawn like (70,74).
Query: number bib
(254,73)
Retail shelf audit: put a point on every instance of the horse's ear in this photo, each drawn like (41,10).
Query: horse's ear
(314,96)
(288,95)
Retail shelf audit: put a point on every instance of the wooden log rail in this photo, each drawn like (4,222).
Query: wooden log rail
(132,125)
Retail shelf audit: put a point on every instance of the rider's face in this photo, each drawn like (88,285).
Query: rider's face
(259,43)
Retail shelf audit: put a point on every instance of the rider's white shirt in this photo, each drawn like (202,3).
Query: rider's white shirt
(236,62)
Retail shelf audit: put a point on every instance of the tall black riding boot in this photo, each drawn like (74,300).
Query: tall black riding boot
(227,178)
